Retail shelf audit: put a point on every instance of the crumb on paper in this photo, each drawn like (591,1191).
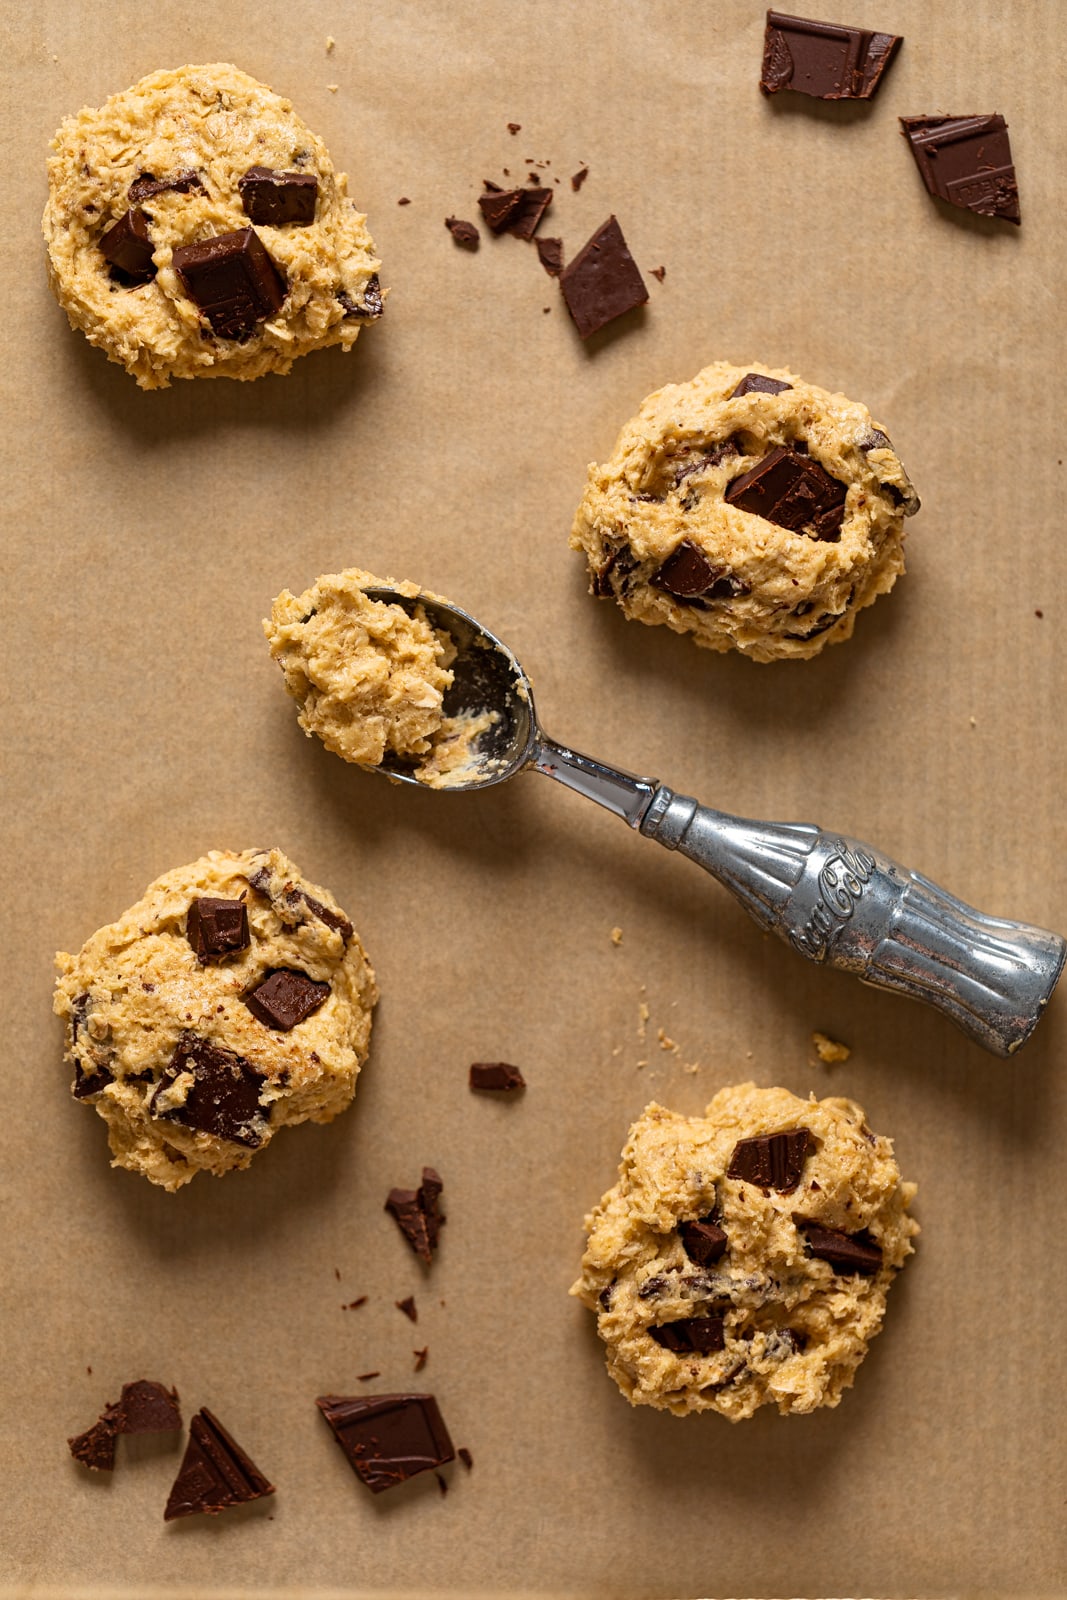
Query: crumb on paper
(617,1050)
(616,936)
(658,272)
(333,87)
(973,722)
(690,1066)
(330,42)
(829,1050)
(642,1019)
(514,127)
(642,1064)
(666,1043)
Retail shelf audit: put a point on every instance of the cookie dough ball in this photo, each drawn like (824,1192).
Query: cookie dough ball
(751,509)
(743,1258)
(234,998)
(371,676)
(196,228)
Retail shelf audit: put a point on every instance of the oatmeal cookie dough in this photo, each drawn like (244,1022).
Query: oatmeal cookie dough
(743,1257)
(370,677)
(750,509)
(233,999)
(139,186)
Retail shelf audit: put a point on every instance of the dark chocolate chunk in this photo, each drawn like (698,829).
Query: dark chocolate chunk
(217,927)
(372,304)
(333,919)
(495,1075)
(388,1438)
(773,1160)
(417,1214)
(686,571)
(224,1097)
(517,211)
(700,1336)
(276,198)
(408,1307)
(792,491)
(88,1083)
(128,246)
(148,1407)
(498,205)
(602,282)
(146,186)
(621,563)
(758,383)
(464,233)
(550,255)
(215,1472)
(876,440)
(578,178)
(652,1288)
(514,127)
(845,1252)
(286,998)
(95,1447)
(232,280)
(825,59)
(704,1241)
(966,161)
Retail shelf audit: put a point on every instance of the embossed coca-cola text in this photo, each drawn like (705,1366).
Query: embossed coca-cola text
(842,879)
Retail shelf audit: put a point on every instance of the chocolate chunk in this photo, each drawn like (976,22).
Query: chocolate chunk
(333,919)
(514,127)
(704,1241)
(966,161)
(550,255)
(148,1407)
(217,927)
(758,383)
(408,1307)
(145,186)
(417,1214)
(686,571)
(495,1075)
(232,280)
(700,1336)
(370,306)
(128,246)
(388,1438)
(652,1288)
(602,282)
(464,233)
(845,1252)
(224,1097)
(792,491)
(825,59)
(579,178)
(517,211)
(773,1160)
(497,205)
(876,440)
(286,998)
(215,1472)
(620,565)
(95,1448)
(88,1083)
(276,198)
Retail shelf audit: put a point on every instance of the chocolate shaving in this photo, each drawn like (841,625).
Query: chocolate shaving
(417,1214)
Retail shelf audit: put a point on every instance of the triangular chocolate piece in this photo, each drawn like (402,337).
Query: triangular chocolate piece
(215,1472)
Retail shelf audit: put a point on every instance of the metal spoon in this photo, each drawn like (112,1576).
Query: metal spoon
(834,900)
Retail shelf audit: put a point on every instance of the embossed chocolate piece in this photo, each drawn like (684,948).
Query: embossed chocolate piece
(966,161)
(794,492)
(232,280)
(827,60)
(146,186)
(464,233)
(277,198)
(128,246)
(388,1438)
(286,998)
(758,383)
(845,1252)
(773,1160)
(216,927)
(496,1075)
(703,1241)
(417,1213)
(701,1336)
(215,1472)
(222,1097)
(602,282)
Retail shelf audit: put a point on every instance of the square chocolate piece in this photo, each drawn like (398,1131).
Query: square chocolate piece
(826,60)
(285,999)
(128,246)
(224,1097)
(217,927)
(275,198)
(232,280)
(388,1438)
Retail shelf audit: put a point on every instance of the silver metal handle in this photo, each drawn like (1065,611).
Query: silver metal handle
(846,905)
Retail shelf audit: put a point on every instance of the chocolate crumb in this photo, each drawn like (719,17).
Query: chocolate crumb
(579,178)
(464,233)
(496,1075)
(465,1456)
(441,1484)
(354,1305)
(550,255)
(417,1215)
(514,127)
(408,1307)
(365,1377)
(658,272)
(403,201)
(421,1357)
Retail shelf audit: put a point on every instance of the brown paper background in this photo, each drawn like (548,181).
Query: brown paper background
(145,723)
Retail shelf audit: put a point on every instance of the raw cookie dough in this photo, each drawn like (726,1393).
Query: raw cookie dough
(371,678)
(702,1267)
(663,538)
(186,139)
(233,998)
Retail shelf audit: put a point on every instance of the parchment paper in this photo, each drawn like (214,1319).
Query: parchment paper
(145,723)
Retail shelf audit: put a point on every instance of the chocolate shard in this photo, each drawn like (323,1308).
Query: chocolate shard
(966,161)
(333,919)
(550,255)
(703,1241)
(216,927)
(232,280)
(496,1075)
(408,1307)
(215,1472)
(497,205)
(388,1438)
(701,1336)
(845,1252)
(602,282)
(88,1083)
(417,1214)
(758,383)
(275,198)
(286,998)
(824,59)
(794,492)
(146,186)
(517,211)
(465,1456)
(128,246)
(465,233)
(578,178)
(773,1160)
(148,1407)
(372,305)
(95,1448)
(223,1099)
